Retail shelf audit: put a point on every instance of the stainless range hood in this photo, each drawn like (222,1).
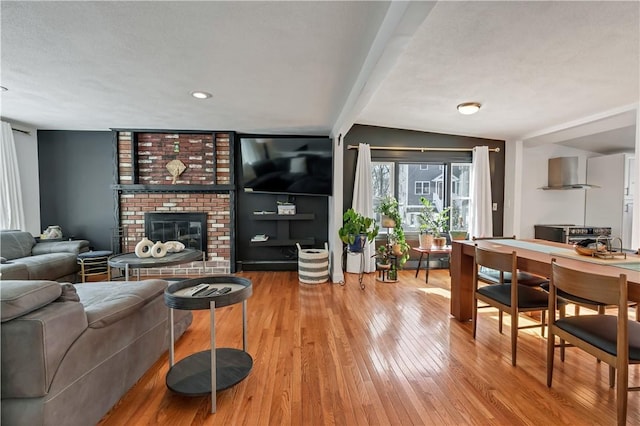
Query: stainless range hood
(563,174)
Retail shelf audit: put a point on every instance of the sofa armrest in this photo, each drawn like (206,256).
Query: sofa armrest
(75,246)
(13,271)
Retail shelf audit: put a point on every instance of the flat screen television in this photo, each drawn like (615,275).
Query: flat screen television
(287,165)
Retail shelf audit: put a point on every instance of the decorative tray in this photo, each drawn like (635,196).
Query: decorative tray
(597,248)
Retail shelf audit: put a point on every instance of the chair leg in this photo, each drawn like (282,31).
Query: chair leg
(514,337)
(612,376)
(500,322)
(551,345)
(563,313)
(543,316)
(622,392)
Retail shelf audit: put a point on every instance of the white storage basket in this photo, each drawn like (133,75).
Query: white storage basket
(313,265)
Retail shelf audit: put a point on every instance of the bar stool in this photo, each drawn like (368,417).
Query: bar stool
(94,263)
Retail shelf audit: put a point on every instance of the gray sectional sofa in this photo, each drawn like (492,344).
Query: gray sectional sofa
(70,352)
(22,258)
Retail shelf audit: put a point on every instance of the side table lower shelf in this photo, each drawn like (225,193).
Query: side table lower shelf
(192,375)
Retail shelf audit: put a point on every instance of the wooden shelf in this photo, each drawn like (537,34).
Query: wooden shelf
(274,242)
(299,216)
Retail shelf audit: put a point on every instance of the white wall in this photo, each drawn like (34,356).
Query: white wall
(549,207)
(512,184)
(27,153)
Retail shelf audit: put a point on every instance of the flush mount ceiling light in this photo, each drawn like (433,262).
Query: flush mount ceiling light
(201,95)
(469,108)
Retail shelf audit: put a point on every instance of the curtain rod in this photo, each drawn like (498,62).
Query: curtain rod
(410,148)
(21,131)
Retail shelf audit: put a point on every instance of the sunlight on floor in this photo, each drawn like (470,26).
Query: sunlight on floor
(437,291)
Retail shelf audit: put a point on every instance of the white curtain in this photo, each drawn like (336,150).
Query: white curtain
(12,210)
(481,224)
(363,204)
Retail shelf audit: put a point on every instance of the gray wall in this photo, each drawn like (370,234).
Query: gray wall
(383,136)
(76,173)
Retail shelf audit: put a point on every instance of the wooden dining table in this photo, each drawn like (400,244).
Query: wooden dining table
(533,256)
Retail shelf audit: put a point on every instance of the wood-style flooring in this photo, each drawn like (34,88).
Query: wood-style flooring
(388,355)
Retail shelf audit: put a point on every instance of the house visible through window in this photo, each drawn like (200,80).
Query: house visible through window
(444,184)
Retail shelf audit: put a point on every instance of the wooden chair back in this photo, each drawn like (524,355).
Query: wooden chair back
(503,262)
(603,289)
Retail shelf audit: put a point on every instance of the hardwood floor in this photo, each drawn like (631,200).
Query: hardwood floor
(389,355)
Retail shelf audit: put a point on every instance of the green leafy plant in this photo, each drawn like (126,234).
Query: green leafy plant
(355,224)
(390,207)
(431,220)
(383,256)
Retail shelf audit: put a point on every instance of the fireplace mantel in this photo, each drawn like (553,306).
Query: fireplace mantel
(140,188)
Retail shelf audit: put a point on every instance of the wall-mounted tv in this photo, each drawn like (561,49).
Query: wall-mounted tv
(287,165)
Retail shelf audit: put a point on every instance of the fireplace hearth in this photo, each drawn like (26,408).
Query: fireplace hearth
(188,228)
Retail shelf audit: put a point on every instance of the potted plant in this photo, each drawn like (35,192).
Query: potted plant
(433,223)
(383,258)
(357,230)
(390,211)
(458,231)
(396,241)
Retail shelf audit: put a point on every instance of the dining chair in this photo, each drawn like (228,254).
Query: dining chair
(614,339)
(491,276)
(511,298)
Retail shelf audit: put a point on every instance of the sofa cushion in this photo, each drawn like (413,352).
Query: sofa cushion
(49,266)
(106,303)
(18,298)
(15,244)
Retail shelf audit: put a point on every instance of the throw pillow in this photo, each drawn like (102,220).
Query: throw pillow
(69,294)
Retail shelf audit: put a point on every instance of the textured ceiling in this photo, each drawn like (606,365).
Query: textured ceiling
(314,67)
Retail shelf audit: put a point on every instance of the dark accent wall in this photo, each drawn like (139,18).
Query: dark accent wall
(383,136)
(76,173)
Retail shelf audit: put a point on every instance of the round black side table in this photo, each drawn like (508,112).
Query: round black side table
(194,375)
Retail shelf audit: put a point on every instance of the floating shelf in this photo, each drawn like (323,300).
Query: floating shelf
(299,216)
(274,242)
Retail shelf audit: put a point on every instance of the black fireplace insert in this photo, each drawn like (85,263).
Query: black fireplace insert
(188,228)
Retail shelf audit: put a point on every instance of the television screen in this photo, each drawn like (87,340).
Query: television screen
(287,165)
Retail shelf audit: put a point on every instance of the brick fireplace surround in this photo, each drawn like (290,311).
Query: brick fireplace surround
(145,185)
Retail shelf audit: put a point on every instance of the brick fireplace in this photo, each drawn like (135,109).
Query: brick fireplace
(205,187)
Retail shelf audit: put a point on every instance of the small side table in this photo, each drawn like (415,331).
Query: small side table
(428,251)
(195,374)
(94,263)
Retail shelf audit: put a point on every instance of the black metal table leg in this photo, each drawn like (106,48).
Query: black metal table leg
(419,263)
(426,278)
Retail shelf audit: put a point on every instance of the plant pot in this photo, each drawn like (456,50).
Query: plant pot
(440,241)
(458,235)
(397,249)
(426,240)
(383,265)
(387,222)
(358,244)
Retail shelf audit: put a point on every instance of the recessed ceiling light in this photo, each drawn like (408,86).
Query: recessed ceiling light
(201,95)
(469,108)
(4,89)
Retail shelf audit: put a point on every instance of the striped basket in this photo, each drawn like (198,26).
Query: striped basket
(313,265)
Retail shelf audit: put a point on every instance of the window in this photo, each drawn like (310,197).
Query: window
(422,187)
(444,184)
